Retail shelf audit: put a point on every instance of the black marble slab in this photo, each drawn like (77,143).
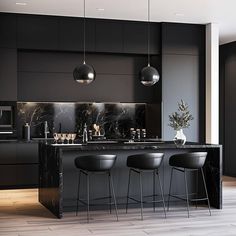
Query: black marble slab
(58,175)
(116,119)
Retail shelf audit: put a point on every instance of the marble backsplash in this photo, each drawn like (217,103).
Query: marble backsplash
(115,118)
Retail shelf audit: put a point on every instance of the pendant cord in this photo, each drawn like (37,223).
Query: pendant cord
(84,32)
(148,33)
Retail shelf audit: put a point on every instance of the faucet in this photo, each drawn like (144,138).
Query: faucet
(46,130)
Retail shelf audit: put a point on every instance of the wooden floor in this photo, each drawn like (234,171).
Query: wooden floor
(21,214)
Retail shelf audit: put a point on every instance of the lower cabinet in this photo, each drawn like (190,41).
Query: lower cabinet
(18,165)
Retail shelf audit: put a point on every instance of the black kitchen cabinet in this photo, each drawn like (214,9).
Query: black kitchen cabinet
(71,36)
(183,39)
(7,30)
(7,153)
(136,36)
(18,165)
(8,74)
(109,36)
(27,175)
(27,153)
(37,32)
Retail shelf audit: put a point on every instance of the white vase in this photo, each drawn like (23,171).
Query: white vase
(180,138)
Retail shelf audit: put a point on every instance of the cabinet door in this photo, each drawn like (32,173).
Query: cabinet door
(71,37)
(8,74)
(136,37)
(7,176)
(183,39)
(37,32)
(27,153)
(7,30)
(27,175)
(109,36)
(7,153)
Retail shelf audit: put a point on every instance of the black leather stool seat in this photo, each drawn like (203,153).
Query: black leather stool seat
(192,160)
(93,165)
(95,162)
(147,161)
(139,164)
(189,162)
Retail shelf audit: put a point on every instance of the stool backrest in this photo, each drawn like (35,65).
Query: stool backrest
(95,162)
(192,160)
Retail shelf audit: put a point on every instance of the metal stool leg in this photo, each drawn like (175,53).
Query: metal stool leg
(154,191)
(88,215)
(113,192)
(204,181)
(77,204)
(197,189)
(127,200)
(109,186)
(141,193)
(168,203)
(186,190)
(162,195)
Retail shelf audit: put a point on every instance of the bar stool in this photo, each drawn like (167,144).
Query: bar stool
(140,163)
(188,162)
(95,164)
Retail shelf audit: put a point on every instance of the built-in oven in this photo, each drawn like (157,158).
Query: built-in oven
(7,119)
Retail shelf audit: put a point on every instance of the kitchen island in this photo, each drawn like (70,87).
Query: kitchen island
(58,177)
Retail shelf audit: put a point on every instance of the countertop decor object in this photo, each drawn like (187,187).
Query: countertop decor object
(84,74)
(180,120)
(149,75)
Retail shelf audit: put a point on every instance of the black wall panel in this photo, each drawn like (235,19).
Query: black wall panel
(8,74)
(227,105)
(7,30)
(71,36)
(136,36)
(183,39)
(37,32)
(109,36)
(183,76)
(48,77)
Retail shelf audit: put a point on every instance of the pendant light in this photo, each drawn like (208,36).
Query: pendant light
(84,74)
(149,75)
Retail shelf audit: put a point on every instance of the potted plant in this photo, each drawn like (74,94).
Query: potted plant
(180,120)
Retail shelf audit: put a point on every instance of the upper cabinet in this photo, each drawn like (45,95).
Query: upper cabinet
(136,37)
(186,39)
(71,34)
(109,36)
(8,74)
(37,32)
(7,30)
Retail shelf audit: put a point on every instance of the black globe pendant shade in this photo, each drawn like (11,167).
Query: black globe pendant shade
(149,76)
(84,74)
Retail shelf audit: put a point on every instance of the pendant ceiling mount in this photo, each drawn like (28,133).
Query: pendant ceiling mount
(84,74)
(149,75)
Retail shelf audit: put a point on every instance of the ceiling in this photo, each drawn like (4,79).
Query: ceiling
(221,12)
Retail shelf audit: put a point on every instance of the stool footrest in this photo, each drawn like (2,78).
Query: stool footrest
(138,201)
(191,200)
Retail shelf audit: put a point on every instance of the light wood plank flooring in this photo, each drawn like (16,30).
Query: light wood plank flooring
(22,215)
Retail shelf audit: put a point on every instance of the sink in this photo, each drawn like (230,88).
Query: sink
(41,139)
(144,142)
(102,142)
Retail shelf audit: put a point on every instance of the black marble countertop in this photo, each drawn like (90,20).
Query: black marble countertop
(120,145)
(131,146)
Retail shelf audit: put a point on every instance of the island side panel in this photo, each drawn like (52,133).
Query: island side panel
(50,179)
(213,175)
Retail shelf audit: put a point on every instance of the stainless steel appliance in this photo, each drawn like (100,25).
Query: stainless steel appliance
(7,119)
